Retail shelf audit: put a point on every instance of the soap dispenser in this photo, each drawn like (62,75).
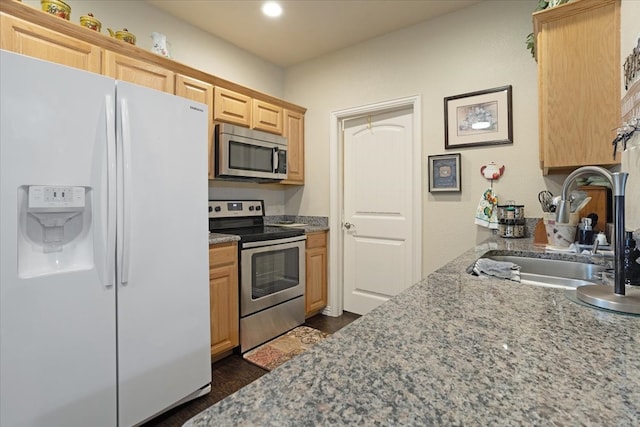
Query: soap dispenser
(630,260)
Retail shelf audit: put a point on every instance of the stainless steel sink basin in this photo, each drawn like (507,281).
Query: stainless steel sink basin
(553,273)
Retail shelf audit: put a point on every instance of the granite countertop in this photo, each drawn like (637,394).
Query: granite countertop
(216,238)
(455,349)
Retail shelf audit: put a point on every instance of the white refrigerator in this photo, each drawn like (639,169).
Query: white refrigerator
(104,291)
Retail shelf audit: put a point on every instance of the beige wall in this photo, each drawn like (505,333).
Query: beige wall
(477,48)
(480,47)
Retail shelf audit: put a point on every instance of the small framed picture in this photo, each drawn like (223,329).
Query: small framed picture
(444,173)
(478,118)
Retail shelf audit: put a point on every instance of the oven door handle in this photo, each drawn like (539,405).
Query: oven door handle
(262,243)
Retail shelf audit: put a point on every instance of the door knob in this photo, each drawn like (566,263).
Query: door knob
(348,225)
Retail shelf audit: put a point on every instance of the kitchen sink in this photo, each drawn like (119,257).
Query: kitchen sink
(553,273)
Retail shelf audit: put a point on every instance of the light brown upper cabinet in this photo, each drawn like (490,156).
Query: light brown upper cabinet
(231,107)
(139,72)
(33,40)
(293,130)
(266,117)
(202,92)
(578,54)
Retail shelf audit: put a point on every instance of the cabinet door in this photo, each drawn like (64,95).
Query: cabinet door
(266,117)
(199,91)
(33,40)
(142,73)
(231,107)
(578,52)
(223,297)
(316,275)
(294,131)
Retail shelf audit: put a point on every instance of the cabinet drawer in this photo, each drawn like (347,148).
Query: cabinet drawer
(222,254)
(316,240)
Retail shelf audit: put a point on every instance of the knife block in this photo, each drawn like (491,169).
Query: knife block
(540,234)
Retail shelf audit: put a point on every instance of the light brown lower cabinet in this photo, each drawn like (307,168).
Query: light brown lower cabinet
(223,297)
(316,275)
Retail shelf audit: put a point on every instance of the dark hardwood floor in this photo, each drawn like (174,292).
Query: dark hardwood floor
(233,372)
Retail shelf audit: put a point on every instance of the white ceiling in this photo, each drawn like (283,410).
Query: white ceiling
(307,28)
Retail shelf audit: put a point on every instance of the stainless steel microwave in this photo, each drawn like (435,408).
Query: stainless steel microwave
(247,154)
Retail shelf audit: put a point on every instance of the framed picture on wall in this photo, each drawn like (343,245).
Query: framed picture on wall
(478,118)
(444,173)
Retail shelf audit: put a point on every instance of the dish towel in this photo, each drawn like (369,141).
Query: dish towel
(486,213)
(501,269)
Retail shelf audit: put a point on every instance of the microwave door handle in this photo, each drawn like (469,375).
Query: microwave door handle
(276,159)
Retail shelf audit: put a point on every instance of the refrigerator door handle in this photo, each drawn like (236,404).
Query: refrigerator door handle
(110,267)
(126,186)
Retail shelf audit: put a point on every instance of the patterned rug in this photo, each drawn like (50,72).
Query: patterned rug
(277,351)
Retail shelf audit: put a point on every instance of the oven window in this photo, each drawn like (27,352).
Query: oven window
(250,157)
(274,271)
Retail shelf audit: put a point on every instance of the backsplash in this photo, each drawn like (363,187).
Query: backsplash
(273,197)
(315,221)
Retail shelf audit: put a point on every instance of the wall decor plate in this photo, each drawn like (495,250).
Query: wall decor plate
(444,173)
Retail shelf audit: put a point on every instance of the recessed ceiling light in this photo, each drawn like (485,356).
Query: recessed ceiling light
(272,9)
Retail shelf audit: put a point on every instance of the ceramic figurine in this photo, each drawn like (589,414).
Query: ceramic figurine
(160,44)
(492,171)
(123,35)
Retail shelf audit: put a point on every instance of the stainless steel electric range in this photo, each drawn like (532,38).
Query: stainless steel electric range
(271,270)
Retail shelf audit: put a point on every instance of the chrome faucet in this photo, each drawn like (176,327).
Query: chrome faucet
(600,295)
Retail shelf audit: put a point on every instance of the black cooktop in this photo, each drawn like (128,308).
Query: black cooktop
(260,233)
(245,218)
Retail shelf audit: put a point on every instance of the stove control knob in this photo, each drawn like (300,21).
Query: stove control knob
(258,208)
(217,208)
(210,209)
(250,208)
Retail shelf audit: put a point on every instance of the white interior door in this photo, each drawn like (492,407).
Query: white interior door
(377,208)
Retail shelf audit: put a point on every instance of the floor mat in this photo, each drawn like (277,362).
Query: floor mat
(277,351)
